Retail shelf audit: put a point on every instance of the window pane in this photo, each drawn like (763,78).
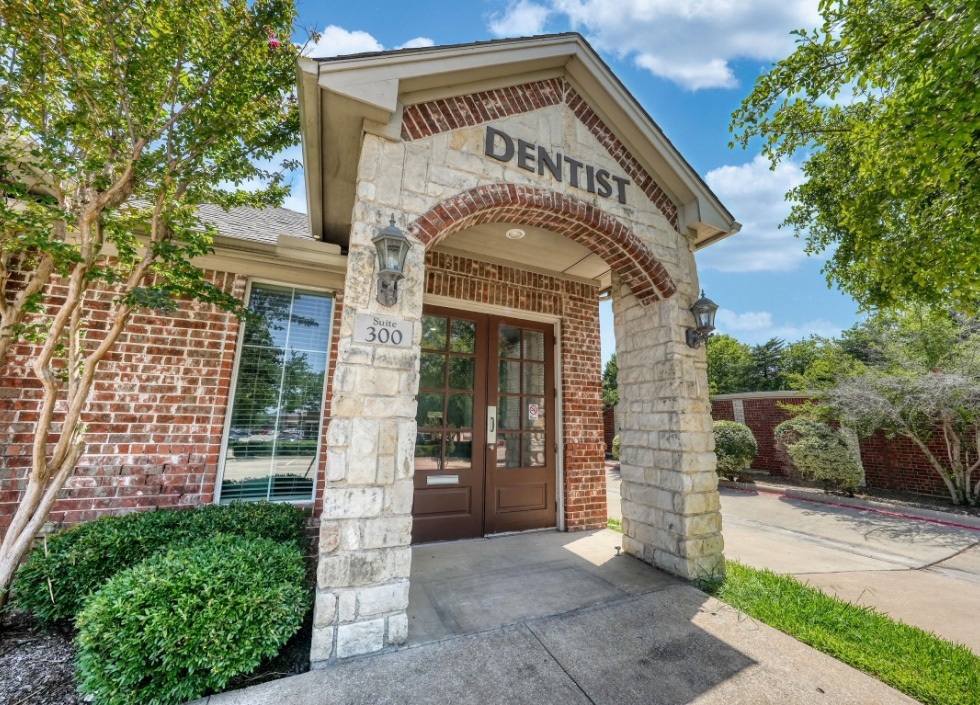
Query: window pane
(509,412)
(532,411)
(463,337)
(460,411)
(510,377)
(270,322)
(277,408)
(510,341)
(429,414)
(432,371)
(309,322)
(459,450)
(433,332)
(509,450)
(533,345)
(534,450)
(533,378)
(461,372)
(428,451)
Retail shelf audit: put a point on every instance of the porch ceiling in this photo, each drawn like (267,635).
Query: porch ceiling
(539,250)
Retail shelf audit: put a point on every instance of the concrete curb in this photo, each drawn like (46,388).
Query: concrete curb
(960,521)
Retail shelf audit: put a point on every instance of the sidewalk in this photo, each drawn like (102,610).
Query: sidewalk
(610,630)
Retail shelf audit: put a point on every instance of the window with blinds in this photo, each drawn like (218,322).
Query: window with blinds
(277,405)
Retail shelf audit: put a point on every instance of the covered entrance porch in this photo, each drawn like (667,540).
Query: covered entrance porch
(456,148)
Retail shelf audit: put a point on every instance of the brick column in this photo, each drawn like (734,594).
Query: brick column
(364,556)
(671,512)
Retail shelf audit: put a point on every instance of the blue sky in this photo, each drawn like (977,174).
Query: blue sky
(689,64)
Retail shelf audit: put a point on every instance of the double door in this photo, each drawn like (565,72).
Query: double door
(485,452)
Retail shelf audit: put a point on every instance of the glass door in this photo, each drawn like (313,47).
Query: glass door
(450,448)
(521,464)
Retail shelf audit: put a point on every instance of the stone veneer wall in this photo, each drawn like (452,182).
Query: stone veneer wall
(581,392)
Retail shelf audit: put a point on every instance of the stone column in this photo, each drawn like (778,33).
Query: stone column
(671,512)
(364,556)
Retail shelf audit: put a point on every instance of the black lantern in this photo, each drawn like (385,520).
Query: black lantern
(392,245)
(704,310)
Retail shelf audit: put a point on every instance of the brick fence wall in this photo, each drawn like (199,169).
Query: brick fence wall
(608,427)
(889,463)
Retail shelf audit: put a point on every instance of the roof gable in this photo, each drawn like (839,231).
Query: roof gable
(410,93)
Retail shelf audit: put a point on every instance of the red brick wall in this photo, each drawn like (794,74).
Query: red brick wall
(155,416)
(762,416)
(578,307)
(897,464)
(608,427)
(155,419)
(889,463)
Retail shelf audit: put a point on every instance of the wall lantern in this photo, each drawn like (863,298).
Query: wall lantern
(392,245)
(704,310)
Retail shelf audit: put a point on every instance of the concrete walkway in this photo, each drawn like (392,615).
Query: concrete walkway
(560,618)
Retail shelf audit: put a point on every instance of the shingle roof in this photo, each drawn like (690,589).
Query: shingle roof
(256,224)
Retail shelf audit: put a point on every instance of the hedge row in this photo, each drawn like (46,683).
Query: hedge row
(58,577)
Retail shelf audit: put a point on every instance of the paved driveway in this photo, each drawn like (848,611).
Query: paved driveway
(919,572)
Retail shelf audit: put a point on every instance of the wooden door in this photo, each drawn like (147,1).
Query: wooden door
(450,449)
(485,453)
(521,464)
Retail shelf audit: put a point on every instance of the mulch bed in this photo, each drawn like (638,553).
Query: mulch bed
(37,662)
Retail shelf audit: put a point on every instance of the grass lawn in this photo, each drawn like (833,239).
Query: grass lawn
(919,664)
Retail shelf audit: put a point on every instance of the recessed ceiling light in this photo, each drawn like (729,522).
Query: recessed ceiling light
(515,234)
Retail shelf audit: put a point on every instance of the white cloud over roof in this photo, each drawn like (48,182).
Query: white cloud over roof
(337,41)
(691,43)
(756,195)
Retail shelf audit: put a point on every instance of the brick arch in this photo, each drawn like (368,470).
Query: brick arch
(577,220)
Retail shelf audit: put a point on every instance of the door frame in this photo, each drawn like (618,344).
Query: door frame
(494,310)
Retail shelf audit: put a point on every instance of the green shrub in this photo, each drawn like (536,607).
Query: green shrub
(58,576)
(821,453)
(735,447)
(183,622)
(615,447)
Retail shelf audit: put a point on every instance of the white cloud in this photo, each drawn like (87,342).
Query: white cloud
(755,327)
(337,41)
(417,43)
(756,195)
(520,19)
(691,43)
(750,320)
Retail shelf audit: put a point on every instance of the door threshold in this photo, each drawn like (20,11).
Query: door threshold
(504,534)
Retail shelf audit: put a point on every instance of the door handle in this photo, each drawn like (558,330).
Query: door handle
(491,425)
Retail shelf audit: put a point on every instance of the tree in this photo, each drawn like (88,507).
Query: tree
(118,118)
(917,406)
(729,365)
(767,364)
(925,381)
(610,386)
(891,188)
